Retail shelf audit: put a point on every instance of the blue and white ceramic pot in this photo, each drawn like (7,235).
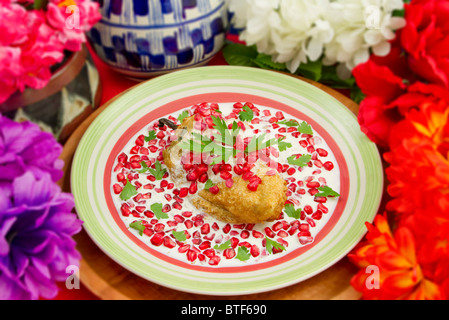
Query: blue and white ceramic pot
(143,38)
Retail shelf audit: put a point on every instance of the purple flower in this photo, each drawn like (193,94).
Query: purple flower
(36,219)
(36,245)
(24,147)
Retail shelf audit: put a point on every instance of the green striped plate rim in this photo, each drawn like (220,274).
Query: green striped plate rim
(361,155)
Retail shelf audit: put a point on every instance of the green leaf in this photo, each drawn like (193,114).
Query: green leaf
(158,172)
(292,212)
(128,191)
(138,225)
(273,244)
(179,235)
(301,161)
(246,114)
(311,70)
(183,115)
(223,246)
(209,184)
(326,192)
(243,253)
(156,208)
(305,128)
(283,145)
(289,123)
(265,61)
(240,55)
(151,136)
(40,4)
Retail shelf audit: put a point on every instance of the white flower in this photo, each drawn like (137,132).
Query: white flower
(360,26)
(342,32)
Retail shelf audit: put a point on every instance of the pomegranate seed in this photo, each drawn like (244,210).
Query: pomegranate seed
(317,215)
(282,234)
(253,185)
(214,189)
(328,165)
(203,178)
(177,205)
(313,184)
(225,175)
(322,152)
(148,232)
(166,208)
(188,224)
(169,242)
(229,253)
(227,228)
(311,222)
(125,210)
(269,232)
(215,226)
(157,239)
(234,241)
(291,171)
(257,234)
(215,260)
(205,228)
(305,239)
(209,252)
(247,175)
(183,248)
(308,209)
(320,199)
(193,187)
(148,214)
(191,255)
(117,188)
(323,208)
(192,176)
(277,226)
(204,245)
(183,192)
(244,234)
(255,251)
(158,227)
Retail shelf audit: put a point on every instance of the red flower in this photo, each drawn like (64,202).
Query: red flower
(425,39)
(389,265)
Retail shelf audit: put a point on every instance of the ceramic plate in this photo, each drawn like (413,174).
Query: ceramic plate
(356,158)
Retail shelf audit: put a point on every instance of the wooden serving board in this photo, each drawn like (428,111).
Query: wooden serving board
(108,280)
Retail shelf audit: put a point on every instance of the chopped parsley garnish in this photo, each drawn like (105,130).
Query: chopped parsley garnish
(156,208)
(243,253)
(327,192)
(283,145)
(301,161)
(273,244)
(128,191)
(302,127)
(183,115)
(292,212)
(223,246)
(138,225)
(151,136)
(179,235)
(158,172)
(246,114)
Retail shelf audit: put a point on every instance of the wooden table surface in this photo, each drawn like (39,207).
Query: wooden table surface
(108,280)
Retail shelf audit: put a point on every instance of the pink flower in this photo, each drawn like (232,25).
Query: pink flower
(71,19)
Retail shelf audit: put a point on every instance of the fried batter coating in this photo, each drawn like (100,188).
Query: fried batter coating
(238,204)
